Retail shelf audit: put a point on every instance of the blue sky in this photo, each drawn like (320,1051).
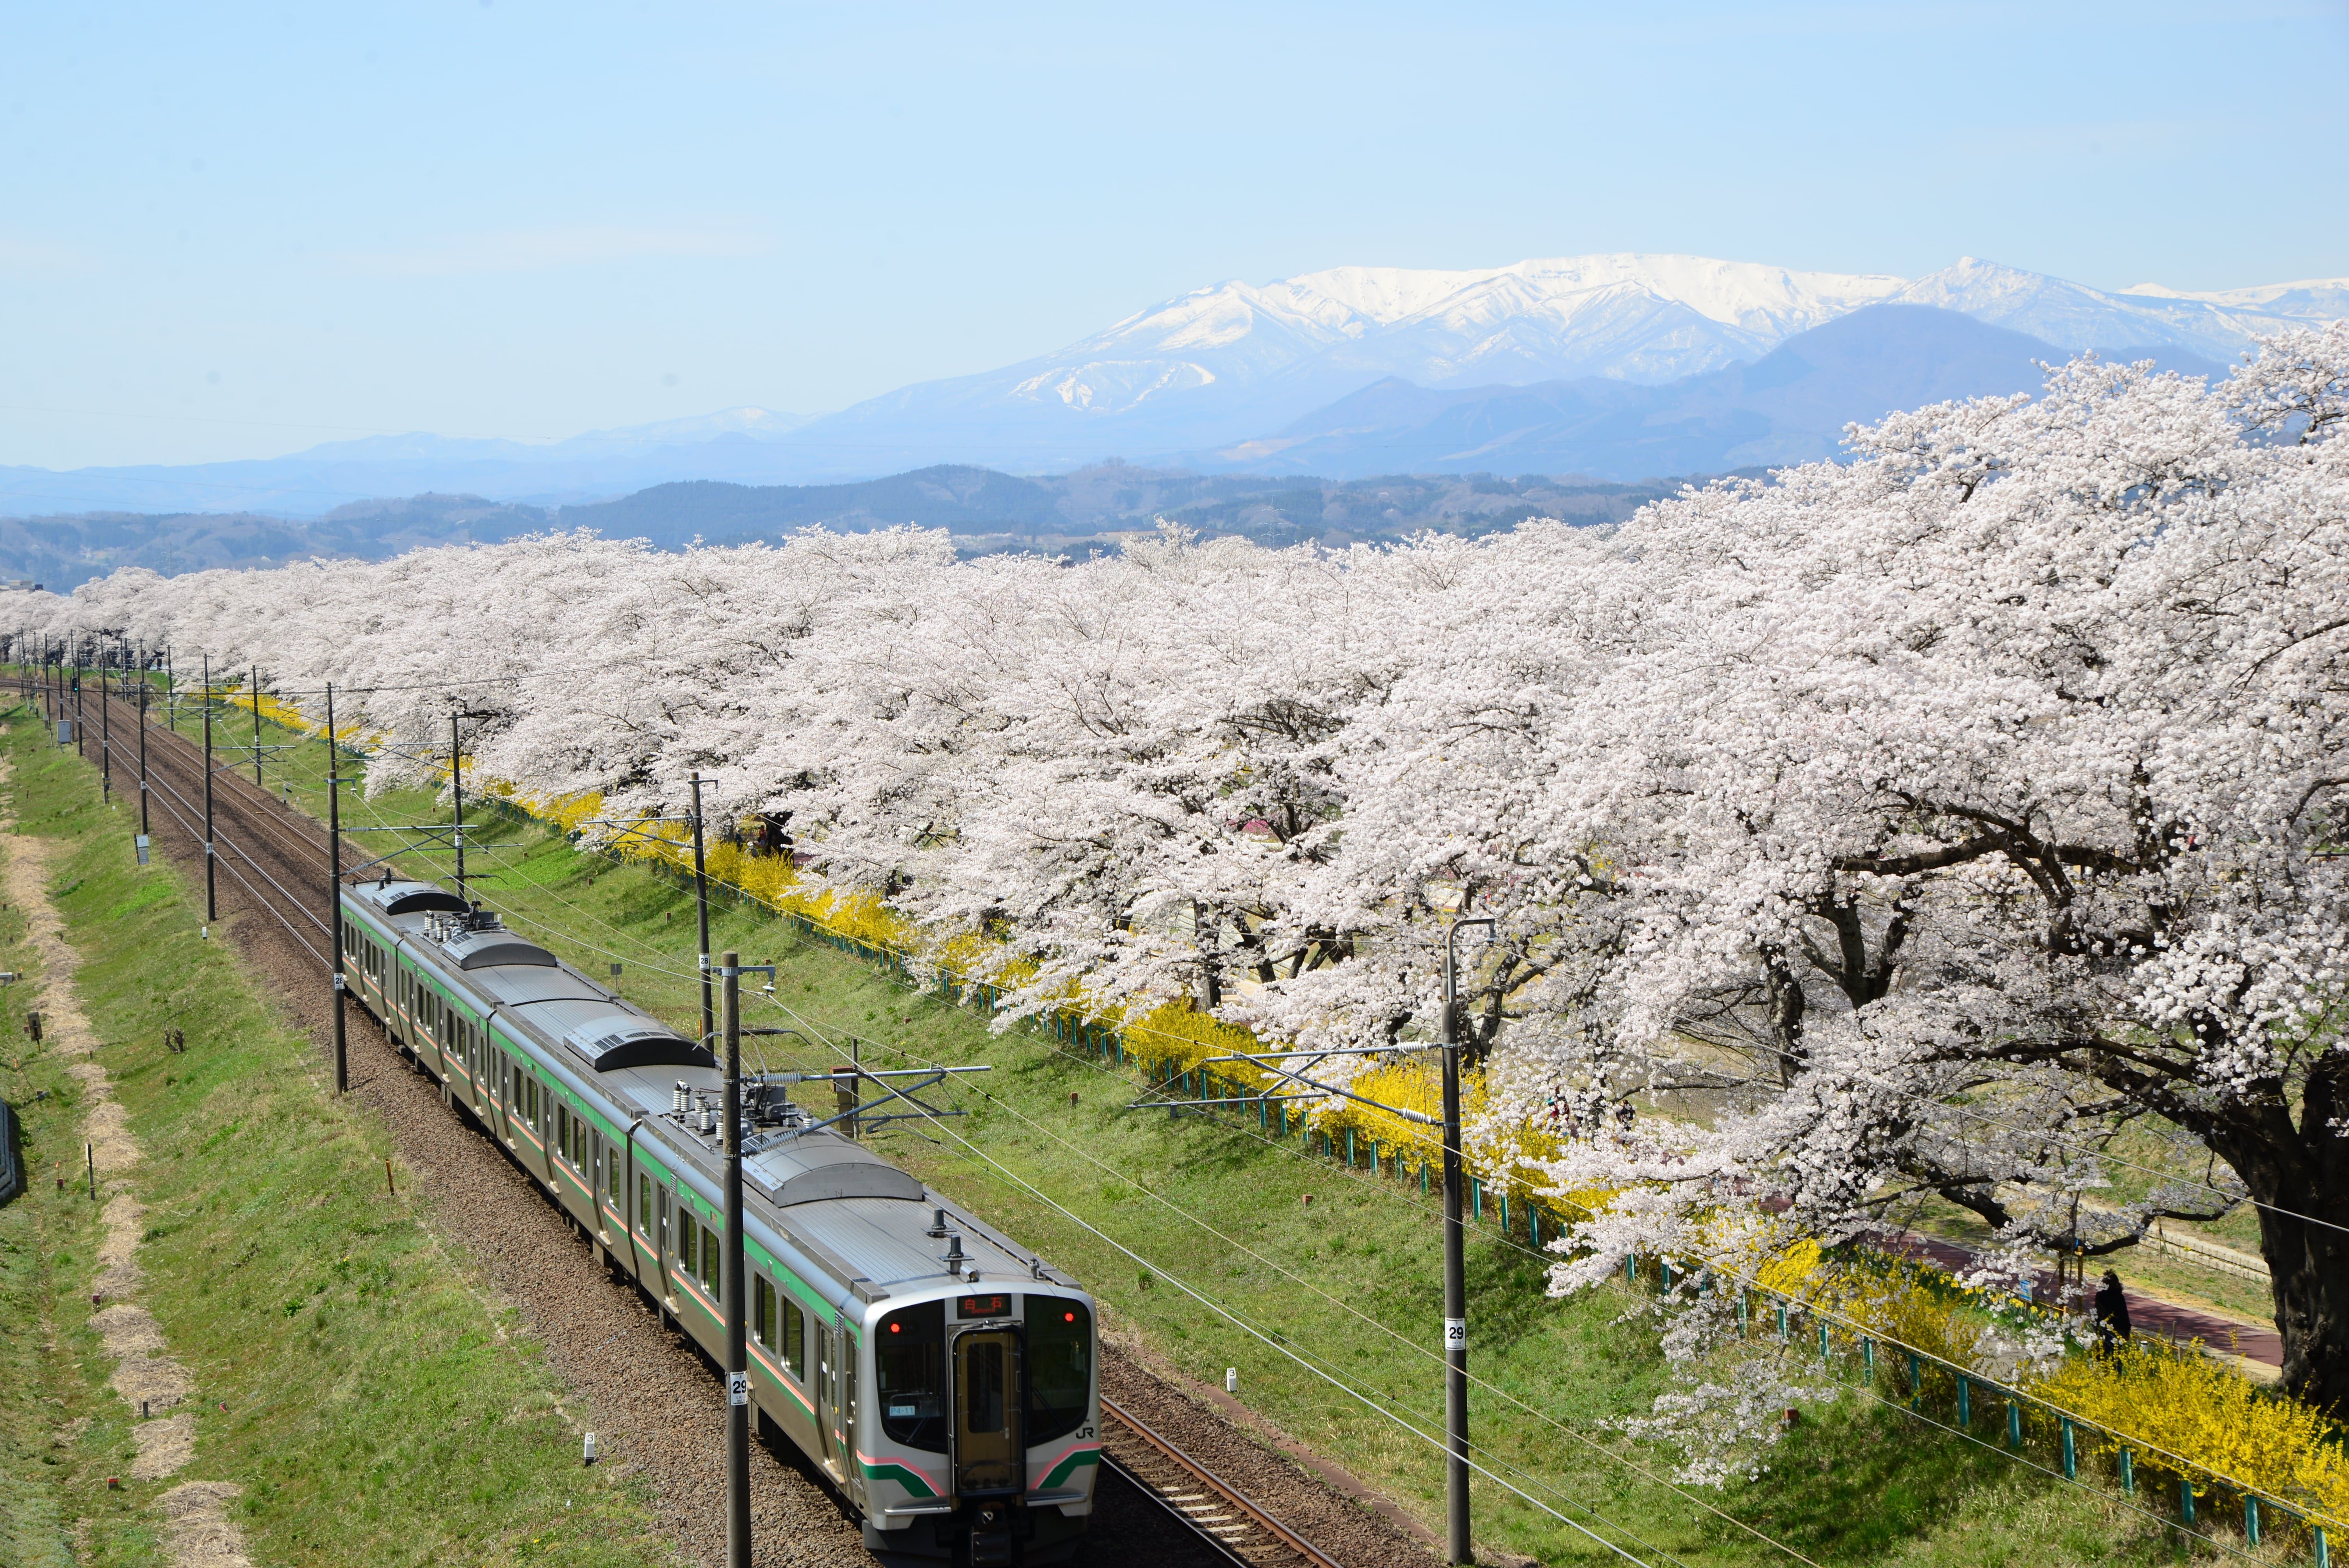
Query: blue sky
(241,231)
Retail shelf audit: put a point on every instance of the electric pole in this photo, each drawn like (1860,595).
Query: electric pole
(212,879)
(737,1354)
(255,693)
(1455,1278)
(701,910)
(334,891)
(143,753)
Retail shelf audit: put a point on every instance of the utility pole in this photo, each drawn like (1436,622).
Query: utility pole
(212,879)
(105,741)
(334,891)
(254,692)
(457,788)
(1455,1278)
(81,713)
(701,910)
(143,752)
(737,1354)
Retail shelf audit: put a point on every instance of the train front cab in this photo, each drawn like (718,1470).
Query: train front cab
(987,1432)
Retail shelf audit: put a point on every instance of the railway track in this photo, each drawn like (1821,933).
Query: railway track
(1240,1529)
(270,862)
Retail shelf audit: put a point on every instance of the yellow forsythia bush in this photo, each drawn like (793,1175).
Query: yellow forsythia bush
(2170,1399)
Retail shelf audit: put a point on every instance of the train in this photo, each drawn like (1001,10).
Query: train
(942,1378)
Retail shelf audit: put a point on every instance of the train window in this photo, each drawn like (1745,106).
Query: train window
(709,1259)
(530,1101)
(686,1233)
(795,1341)
(909,1365)
(562,1133)
(644,1205)
(763,1310)
(612,1181)
(1060,1367)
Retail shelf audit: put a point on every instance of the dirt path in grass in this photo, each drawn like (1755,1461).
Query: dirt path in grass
(150,1380)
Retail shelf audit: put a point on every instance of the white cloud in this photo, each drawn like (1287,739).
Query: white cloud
(545,250)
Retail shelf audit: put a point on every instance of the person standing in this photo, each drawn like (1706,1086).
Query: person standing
(2112,1313)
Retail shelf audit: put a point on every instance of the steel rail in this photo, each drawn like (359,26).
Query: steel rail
(259,869)
(1216,1485)
(259,901)
(1173,1510)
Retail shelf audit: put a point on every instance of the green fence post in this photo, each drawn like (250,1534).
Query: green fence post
(1745,1327)
(1965,1401)
(1476,1186)
(1422,1178)
(2251,1521)
(1631,1268)
(1823,1342)
(1263,1113)
(2185,1501)
(1350,1149)
(2128,1473)
(2071,1467)
(2014,1424)
(2324,1556)
(1916,1383)
(1533,1225)
(1782,1323)
(1504,1210)
(1868,1359)
(1666,1276)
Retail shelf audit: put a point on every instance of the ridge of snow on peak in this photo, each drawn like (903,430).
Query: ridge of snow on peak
(1232,361)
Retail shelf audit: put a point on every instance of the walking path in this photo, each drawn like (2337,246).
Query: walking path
(2261,1345)
(146,1375)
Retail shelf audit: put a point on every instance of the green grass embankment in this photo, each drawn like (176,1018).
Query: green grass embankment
(1859,1483)
(351,1376)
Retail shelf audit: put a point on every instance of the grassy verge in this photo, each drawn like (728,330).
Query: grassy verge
(350,1375)
(1349,1284)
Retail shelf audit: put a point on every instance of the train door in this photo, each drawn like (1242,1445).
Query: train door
(597,1155)
(831,1430)
(661,1241)
(989,1458)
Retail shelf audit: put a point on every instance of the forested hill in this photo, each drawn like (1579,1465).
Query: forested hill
(988,511)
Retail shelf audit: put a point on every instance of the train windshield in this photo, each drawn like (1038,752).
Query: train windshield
(1060,1367)
(909,1365)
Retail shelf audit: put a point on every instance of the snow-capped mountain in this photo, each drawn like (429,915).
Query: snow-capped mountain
(2074,317)
(1224,364)
(1640,318)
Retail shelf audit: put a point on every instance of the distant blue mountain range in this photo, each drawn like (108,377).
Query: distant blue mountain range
(1621,366)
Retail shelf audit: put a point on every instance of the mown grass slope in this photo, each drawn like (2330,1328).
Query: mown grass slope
(351,1376)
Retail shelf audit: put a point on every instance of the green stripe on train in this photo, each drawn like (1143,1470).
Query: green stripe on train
(901,1475)
(1061,1471)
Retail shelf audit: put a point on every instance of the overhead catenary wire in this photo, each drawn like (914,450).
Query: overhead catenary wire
(822,1033)
(2150,1450)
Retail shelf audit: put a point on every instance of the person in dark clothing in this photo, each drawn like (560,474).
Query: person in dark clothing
(2112,1312)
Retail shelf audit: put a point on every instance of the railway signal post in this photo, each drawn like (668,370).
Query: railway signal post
(1456,1282)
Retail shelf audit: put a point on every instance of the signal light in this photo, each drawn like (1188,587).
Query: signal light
(1068,1317)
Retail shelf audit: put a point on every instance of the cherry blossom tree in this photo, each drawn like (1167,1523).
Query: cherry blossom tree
(1913,825)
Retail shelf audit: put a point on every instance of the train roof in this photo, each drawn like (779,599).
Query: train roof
(865,1218)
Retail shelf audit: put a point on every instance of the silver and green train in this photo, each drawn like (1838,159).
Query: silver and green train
(940,1375)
